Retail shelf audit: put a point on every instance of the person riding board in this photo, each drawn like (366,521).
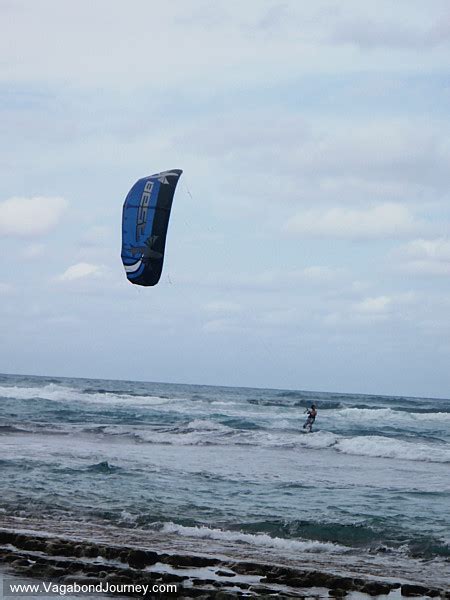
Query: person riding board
(312,413)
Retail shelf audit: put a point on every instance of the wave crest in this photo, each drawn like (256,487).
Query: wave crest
(253,539)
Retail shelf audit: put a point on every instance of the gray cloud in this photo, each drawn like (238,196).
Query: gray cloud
(274,121)
(29,217)
(374,33)
(380,221)
(425,256)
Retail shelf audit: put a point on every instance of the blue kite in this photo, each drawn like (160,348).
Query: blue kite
(145,219)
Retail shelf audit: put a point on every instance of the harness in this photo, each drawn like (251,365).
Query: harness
(312,416)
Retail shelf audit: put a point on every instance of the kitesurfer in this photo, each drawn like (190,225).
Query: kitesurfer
(312,413)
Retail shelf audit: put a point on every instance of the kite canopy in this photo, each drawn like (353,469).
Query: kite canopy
(146,213)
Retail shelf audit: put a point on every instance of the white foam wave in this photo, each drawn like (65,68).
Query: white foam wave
(383,447)
(386,415)
(60,393)
(257,539)
(127,518)
(219,403)
(206,431)
(50,392)
(374,446)
(197,432)
(319,440)
(377,446)
(199,425)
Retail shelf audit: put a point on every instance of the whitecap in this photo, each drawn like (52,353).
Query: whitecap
(256,539)
(384,447)
(60,393)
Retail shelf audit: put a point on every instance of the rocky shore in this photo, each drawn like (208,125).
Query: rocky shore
(62,560)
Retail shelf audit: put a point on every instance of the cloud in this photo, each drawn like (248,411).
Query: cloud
(112,41)
(6,289)
(427,256)
(221,326)
(33,251)
(298,159)
(368,33)
(382,221)
(223,307)
(236,35)
(98,235)
(29,217)
(79,271)
(262,128)
(261,281)
(378,305)
(320,275)
(396,306)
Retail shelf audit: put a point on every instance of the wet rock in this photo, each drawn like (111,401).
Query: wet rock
(337,593)
(413,590)
(191,561)
(80,579)
(21,562)
(111,553)
(34,544)
(244,586)
(343,583)
(295,578)
(121,578)
(326,580)
(172,578)
(222,595)
(436,593)
(123,555)
(197,581)
(91,574)
(70,567)
(36,570)
(78,550)
(258,590)
(55,573)
(57,548)
(9,557)
(248,568)
(279,572)
(375,588)
(91,551)
(66,558)
(7,537)
(138,559)
(113,577)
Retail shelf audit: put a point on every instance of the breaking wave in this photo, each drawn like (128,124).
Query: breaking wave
(59,393)
(387,416)
(259,539)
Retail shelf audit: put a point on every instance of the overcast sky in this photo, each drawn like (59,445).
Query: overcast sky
(309,243)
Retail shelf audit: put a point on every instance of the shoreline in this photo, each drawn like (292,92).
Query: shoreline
(53,556)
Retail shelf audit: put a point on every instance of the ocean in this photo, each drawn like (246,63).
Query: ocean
(230,469)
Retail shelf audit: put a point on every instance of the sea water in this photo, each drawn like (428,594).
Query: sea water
(233,466)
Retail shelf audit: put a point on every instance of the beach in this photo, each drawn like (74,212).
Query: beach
(220,490)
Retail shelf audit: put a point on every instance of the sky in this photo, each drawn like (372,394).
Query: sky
(309,241)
